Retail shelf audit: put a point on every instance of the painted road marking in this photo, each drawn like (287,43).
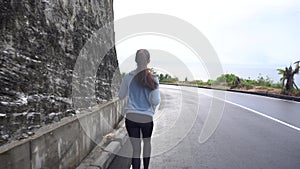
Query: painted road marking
(257,112)
(264,115)
(265,97)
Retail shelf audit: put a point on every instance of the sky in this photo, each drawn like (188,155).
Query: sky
(249,36)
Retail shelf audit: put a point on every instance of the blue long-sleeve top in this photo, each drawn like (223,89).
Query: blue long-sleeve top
(141,100)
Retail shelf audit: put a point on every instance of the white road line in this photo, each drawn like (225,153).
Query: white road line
(258,113)
(264,115)
(265,97)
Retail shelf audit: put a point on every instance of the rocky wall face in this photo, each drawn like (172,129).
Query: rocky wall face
(40,41)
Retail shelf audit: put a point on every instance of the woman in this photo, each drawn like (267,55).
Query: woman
(141,87)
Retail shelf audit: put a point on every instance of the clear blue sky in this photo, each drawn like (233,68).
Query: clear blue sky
(245,33)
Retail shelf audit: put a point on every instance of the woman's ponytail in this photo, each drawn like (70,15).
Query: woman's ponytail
(144,77)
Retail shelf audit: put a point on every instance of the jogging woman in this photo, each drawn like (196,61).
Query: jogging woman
(142,90)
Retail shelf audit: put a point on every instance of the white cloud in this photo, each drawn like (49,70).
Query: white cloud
(254,32)
(272,38)
(214,16)
(202,11)
(181,62)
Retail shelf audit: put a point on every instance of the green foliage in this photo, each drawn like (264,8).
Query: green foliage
(230,80)
(233,81)
(226,78)
(209,82)
(248,82)
(167,78)
(276,85)
(287,79)
(123,75)
(161,77)
(199,82)
(261,81)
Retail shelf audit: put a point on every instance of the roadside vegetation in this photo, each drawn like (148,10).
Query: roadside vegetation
(286,86)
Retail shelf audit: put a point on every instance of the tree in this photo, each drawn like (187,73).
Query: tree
(261,81)
(161,77)
(283,78)
(199,82)
(167,76)
(230,79)
(288,75)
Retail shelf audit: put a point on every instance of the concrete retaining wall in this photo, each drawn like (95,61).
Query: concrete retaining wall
(64,144)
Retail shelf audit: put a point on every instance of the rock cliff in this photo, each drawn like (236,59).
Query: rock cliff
(40,41)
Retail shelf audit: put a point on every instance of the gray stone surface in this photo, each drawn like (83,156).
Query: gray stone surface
(14,158)
(40,42)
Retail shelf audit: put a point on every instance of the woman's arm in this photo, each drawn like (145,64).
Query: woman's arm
(123,88)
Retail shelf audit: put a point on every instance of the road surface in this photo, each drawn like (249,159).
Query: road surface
(254,132)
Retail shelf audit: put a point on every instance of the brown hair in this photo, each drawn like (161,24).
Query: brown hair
(144,76)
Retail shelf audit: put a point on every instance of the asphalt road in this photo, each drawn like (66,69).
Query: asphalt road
(254,132)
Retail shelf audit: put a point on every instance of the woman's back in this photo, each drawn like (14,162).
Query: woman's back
(141,99)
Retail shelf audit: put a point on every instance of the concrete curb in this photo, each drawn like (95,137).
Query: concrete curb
(278,96)
(102,155)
